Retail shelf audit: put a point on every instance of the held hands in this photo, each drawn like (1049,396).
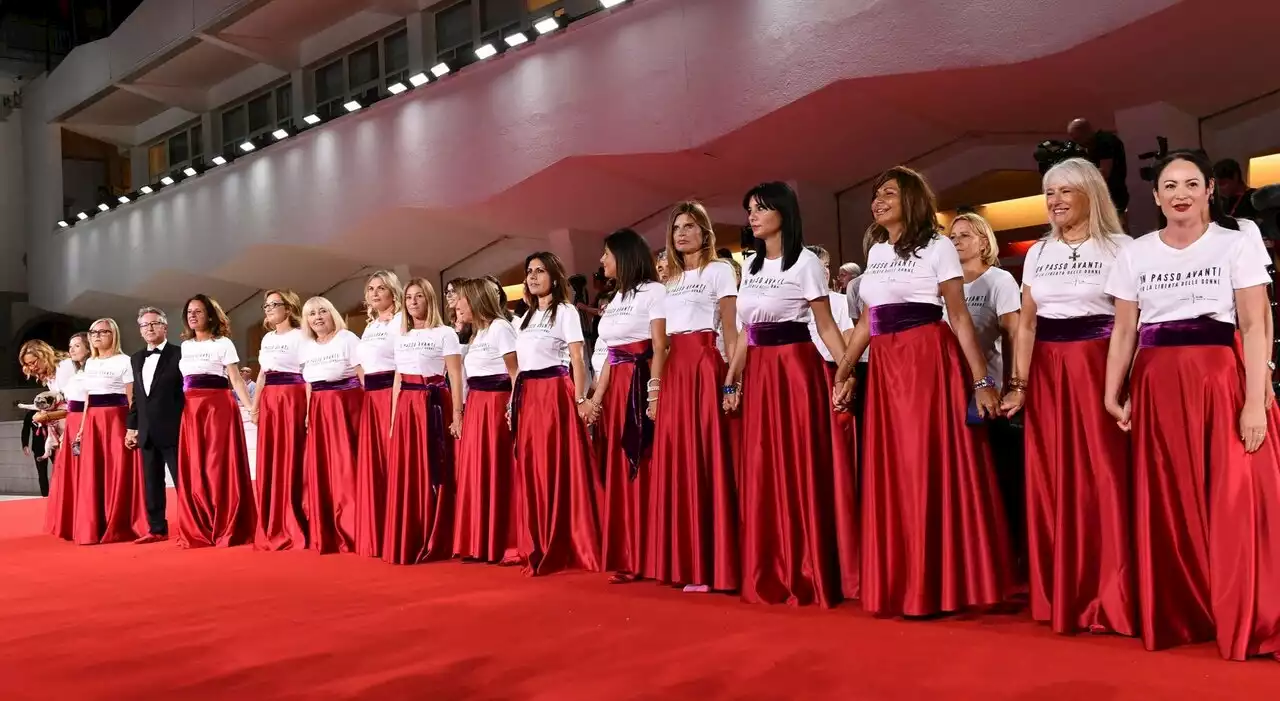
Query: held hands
(455,428)
(842,394)
(988,401)
(589,411)
(131,438)
(1121,413)
(1253,427)
(731,396)
(1012,403)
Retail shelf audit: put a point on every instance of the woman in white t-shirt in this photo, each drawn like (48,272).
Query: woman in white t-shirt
(693,514)
(600,353)
(110,507)
(426,417)
(795,549)
(280,412)
(384,300)
(331,367)
(558,479)
(1206,433)
(622,406)
(215,489)
(60,513)
(1078,506)
(917,447)
(486,509)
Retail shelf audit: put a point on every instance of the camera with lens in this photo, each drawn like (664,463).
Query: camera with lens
(1148,172)
(1052,152)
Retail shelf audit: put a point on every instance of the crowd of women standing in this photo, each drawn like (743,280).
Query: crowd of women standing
(1147,505)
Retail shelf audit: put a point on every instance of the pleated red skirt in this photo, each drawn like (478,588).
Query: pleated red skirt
(693,505)
(280,489)
(559,528)
(419,525)
(844,456)
(371,471)
(1205,511)
(624,499)
(329,469)
(215,490)
(1080,548)
(60,512)
(790,532)
(486,511)
(934,537)
(110,502)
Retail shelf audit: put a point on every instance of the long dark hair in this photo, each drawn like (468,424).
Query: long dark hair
(633,261)
(778,197)
(559,285)
(1200,160)
(219,326)
(919,212)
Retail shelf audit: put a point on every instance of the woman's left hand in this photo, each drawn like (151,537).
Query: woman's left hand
(652,410)
(988,401)
(1253,427)
(455,429)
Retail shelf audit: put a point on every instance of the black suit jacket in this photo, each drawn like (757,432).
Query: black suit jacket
(157,415)
(32,435)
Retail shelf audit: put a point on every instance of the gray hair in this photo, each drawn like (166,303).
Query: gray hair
(152,310)
(851,269)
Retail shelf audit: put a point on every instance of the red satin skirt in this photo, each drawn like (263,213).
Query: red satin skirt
(693,507)
(419,525)
(60,512)
(215,490)
(1206,513)
(329,469)
(934,536)
(371,472)
(559,528)
(791,540)
(1078,501)
(844,456)
(110,502)
(281,492)
(485,508)
(624,500)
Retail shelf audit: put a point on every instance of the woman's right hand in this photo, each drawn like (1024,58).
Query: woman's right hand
(730,403)
(1122,413)
(1012,403)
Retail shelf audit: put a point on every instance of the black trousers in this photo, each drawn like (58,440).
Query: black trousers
(1007,455)
(153,461)
(42,472)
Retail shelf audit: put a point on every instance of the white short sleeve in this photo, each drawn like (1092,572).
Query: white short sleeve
(723,282)
(1029,263)
(1005,295)
(503,337)
(228,350)
(946,262)
(351,344)
(572,321)
(1249,265)
(813,279)
(450,343)
(1121,283)
(658,310)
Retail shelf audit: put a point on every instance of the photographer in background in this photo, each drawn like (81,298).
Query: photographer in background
(1236,196)
(1106,151)
(33,436)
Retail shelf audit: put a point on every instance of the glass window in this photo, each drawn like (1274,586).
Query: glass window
(179,148)
(497,14)
(329,82)
(284,104)
(363,66)
(235,126)
(197,143)
(396,48)
(453,27)
(260,113)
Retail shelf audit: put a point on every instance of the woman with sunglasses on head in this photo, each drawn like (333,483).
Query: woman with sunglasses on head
(793,547)
(384,300)
(558,483)
(62,374)
(622,406)
(934,538)
(215,490)
(1206,457)
(487,513)
(693,511)
(280,410)
(110,502)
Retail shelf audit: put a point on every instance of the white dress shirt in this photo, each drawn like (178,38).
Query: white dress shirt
(149,366)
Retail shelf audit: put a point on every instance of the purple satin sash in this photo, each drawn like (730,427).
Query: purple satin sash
(74,407)
(1079,328)
(435,421)
(489,383)
(777,333)
(517,391)
(375,381)
(1201,331)
(637,430)
(902,316)
(205,381)
(331,385)
(106,400)
(274,378)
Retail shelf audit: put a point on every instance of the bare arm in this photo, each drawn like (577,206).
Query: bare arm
(1010,328)
(238,385)
(859,338)
(657,332)
(1124,339)
(729,331)
(395,400)
(827,329)
(262,376)
(952,292)
(453,368)
(1253,309)
(578,368)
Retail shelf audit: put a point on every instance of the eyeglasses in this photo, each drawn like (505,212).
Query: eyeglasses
(269,306)
(148,325)
(100,332)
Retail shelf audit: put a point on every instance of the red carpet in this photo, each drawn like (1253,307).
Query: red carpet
(148,622)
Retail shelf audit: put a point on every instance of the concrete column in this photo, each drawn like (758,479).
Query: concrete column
(302,89)
(1138,127)
(139,166)
(416,27)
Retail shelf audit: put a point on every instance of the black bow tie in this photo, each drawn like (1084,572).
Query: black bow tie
(155,351)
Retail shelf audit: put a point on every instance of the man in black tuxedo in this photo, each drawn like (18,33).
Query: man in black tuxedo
(156,415)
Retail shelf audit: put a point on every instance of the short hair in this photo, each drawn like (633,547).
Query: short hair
(982,228)
(219,326)
(45,355)
(433,306)
(164,319)
(1228,168)
(339,323)
(389,279)
(115,336)
(851,269)
(292,304)
(1084,176)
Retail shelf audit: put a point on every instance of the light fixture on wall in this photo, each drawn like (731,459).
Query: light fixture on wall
(146,189)
(280,134)
(190,172)
(352,106)
(441,69)
(62,224)
(606,4)
(396,88)
(82,216)
(546,25)
(311,119)
(219,160)
(123,199)
(418,80)
(486,51)
(166,181)
(247,146)
(104,207)
(514,40)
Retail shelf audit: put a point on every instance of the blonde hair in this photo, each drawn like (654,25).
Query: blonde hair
(482,297)
(292,304)
(434,318)
(45,355)
(700,217)
(339,323)
(389,279)
(115,337)
(983,229)
(1103,221)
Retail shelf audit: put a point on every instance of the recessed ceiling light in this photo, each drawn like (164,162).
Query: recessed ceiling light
(396,88)
(122,199)
(103,208)
(546,26)
(610,3)
(146,189)
(82,216)
(516,39)
(280,134)
(311,119)
(247,146)
(62,224)
(166,180)
(352,106)
(418,80)
(189,172)
(486,51)
(219,161)
(440,70)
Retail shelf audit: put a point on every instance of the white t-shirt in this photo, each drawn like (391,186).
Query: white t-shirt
(422,351)
(1200,280)
(693,299)
(775,294)
(839,312)
(542,345)
(331,361)
(627,317)
(378,345)
(280,351)
(892,280)
(69,381)
(1063,288)
(599,356)
(107,375)
(485,354)
(992,295)
(209,357)
(854,302)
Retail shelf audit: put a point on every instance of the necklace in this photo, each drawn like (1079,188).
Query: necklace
(1075,250)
